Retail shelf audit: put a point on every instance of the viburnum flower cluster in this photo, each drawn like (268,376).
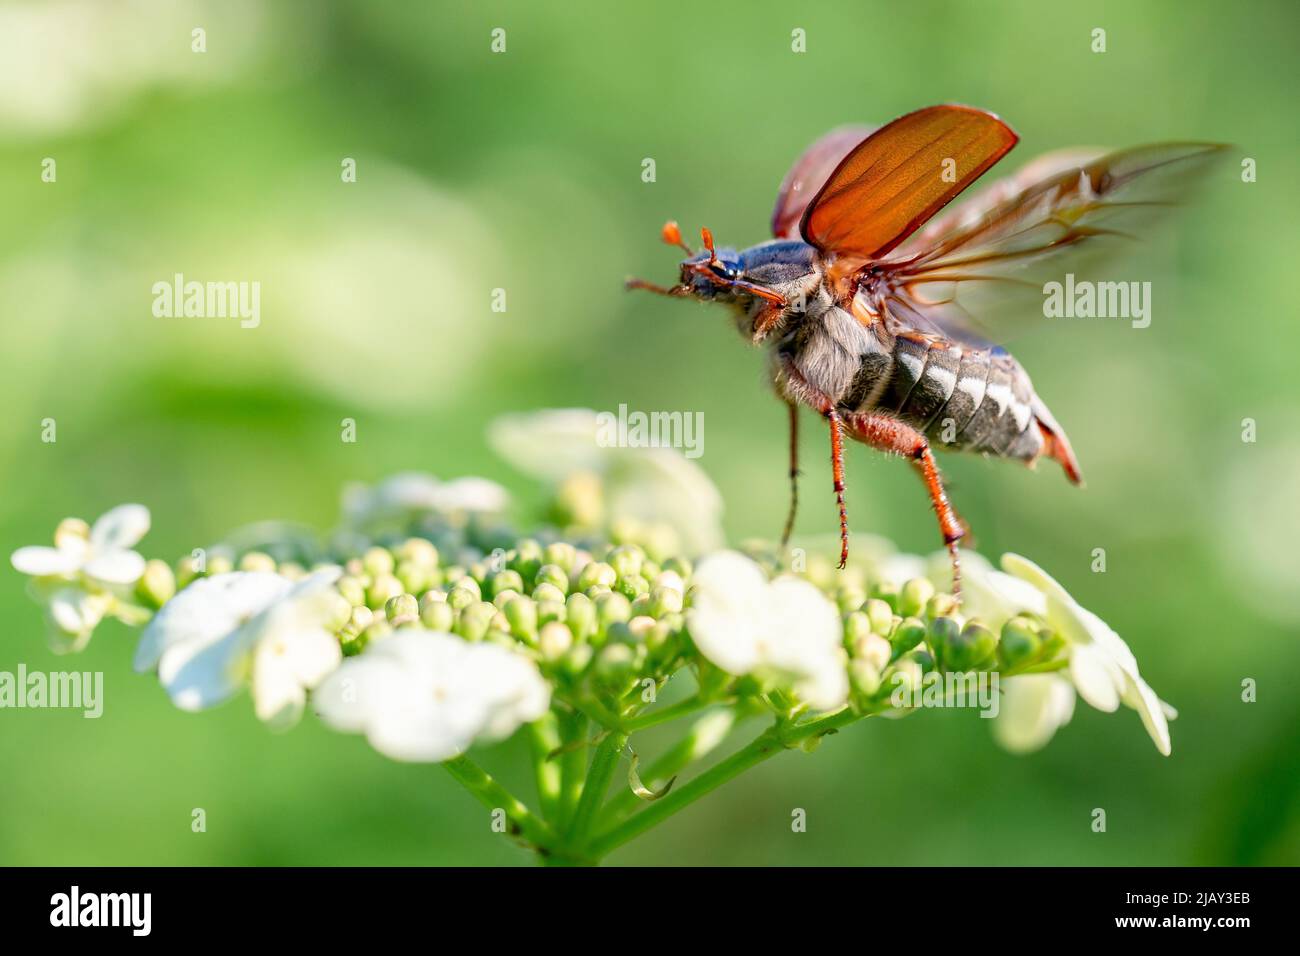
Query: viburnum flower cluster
(428,625)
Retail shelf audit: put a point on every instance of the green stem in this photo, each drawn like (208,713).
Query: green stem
(706,734)
(603,766)
(597,713)
(496,797)
(664,714)
(767,745)
(771,742)
(543,740)
(573,764)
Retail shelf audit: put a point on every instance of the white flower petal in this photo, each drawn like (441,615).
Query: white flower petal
(40,561)
(1151,709)
(278,697)
(115,567)
(120,528)
(1095,677)
(1033,707)
(73,615)
(802,635)
(728,595)
(197,676)
(425,696)
(206,611)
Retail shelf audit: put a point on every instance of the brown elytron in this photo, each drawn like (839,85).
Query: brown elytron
(870,298)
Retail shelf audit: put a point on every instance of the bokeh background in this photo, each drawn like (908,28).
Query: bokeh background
(523,171)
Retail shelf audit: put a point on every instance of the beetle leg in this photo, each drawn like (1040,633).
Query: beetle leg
(792,386)
(890,435)
(794,473)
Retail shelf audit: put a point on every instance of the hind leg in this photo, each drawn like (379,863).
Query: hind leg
(890,435)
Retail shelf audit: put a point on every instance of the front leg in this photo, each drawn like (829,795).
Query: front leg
(890,435)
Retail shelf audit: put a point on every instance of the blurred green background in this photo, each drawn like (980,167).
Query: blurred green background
(523,171)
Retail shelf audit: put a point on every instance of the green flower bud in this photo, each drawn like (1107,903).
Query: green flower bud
(554,640)
(983,645)
(904,679)
(505,597)
(562,555)
(377,631)
(887,591)
(257,561)
(157,585)
(597,574)
(377,562)
(419,552)
(679,566)
(1053,645)
(580,615)
(670,580)
(612,608)
(473,622)
(437,615)
(665,600)
(849,598)
(626,560)
(864,675)
(460,597)
(615,664)
(661,641)
(219,564)
(355,568)
(914,597)
(633,587)
(548,611)
(945,634)
(521,613)
(185,571)
(340,614)
(360,619)
(415,578)
(554,576)
(881,616)
(383,587)
(402,609)
(578,659)
(548,592)
(470,583)
(1020,642)
(507,580)
(640,627)
(856,626)
(352,589)
(874,649)
(907,635)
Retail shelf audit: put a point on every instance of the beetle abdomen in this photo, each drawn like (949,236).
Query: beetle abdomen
(963,398)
